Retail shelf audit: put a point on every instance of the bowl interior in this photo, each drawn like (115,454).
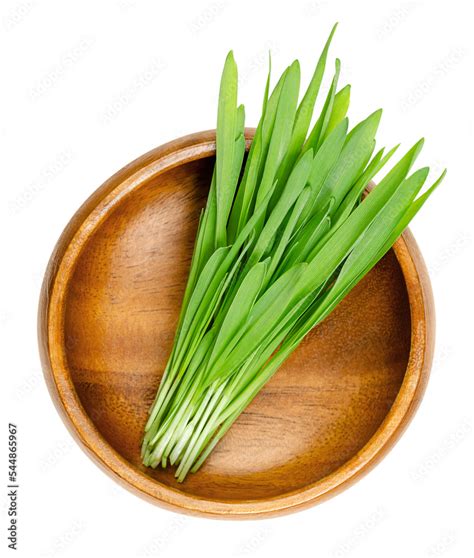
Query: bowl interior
(315,414)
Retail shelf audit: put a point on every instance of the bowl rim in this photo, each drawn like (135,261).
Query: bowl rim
(51,344)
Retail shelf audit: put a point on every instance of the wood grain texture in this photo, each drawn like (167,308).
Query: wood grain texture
(108,311)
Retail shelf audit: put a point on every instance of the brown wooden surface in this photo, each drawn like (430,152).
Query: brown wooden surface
(108,311)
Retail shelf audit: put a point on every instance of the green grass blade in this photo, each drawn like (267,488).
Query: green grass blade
(267,312)
(374,243)
(267,85)
(354,157)
(203,285)
(410,214)
(290,194)
(228,120)
(355,193)
(246,192)
(282,129)
(288,232)
(316,136)
(306,239)
(304,114)
(324,160)
(335,248)
(339,109)
(238,312)
(280,242)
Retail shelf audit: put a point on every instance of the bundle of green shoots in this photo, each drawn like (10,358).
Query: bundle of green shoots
(285,235)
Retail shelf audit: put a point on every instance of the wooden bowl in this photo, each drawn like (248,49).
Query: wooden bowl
(108,311)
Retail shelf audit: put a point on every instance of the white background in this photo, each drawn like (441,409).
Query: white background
(87,87)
